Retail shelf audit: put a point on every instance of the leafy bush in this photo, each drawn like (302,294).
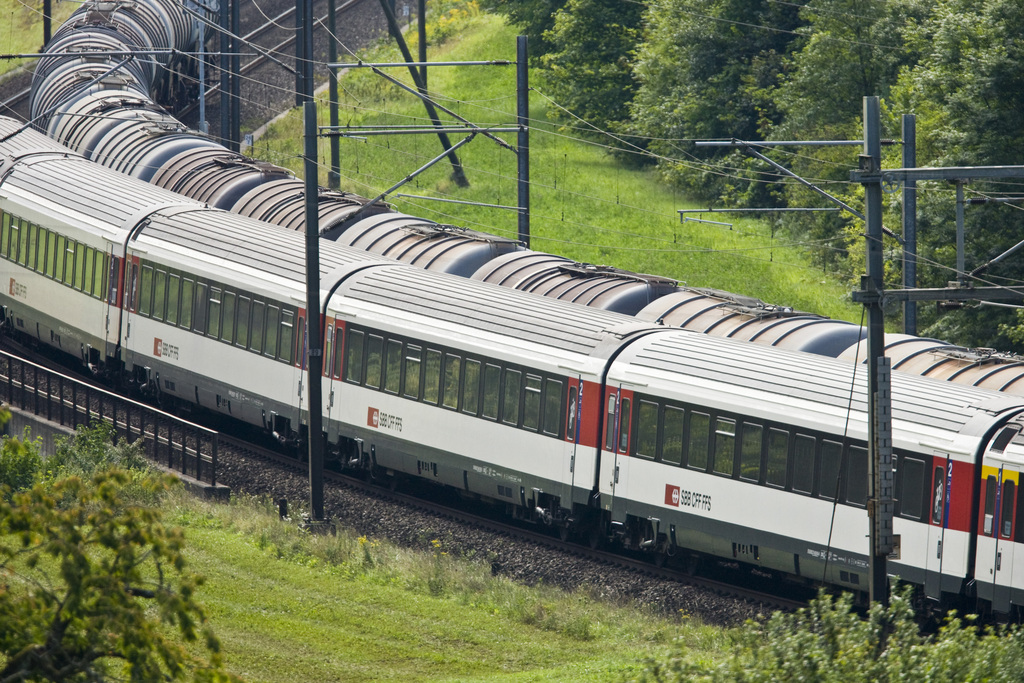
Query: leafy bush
(20,461)
(828,641)
(91,449)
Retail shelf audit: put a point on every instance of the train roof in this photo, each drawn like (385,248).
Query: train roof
(750,369)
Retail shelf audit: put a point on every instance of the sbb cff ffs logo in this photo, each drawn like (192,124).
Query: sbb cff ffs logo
(373,418)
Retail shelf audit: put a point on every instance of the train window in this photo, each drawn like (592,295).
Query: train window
(990,506)
(213,313)
(492,381)
(273,328)
(15,238)
(471,391)
(100,276)
(1006,509)
(59,256)
(328,347)
(452,375)
(41,241)
(672,436)
(393,366)
(202,302)
(159,294)
(187,290)
(88,276)
(413,365)
(857,476)
(22,241)
(725,446)
(242,321)
(354,357)
(80,254)
(777,459)
(374,349)
(697,454)
(609,437)
(531,403)
(938,491)
(5,235)
(647,430)
(573,408)
(552,408)
(69,262)
(338,347)
(113,271)
(146,291)
(51,251)
(287,354)
(510,405)
(831,465)
(256,327)
(32,230)
(750,452)
(624,415)
(432,377)
(1018,534)
(227,327)
(803,463)
(912,488)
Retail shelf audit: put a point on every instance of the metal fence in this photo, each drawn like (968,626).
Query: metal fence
(180,445)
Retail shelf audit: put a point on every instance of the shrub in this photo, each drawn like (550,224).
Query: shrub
(20,462)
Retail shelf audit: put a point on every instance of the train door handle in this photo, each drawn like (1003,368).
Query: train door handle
(999,561)
(616,474)
(938,551)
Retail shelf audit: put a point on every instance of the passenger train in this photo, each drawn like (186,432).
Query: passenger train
(594,423)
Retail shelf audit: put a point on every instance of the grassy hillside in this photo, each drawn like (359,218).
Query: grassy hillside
(21,28)
(585,204)
(289,607)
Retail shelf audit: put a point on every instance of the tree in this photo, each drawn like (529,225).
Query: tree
(90,587)
(20,462)
(533,17)
(590,62)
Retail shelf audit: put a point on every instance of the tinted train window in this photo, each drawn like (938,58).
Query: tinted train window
(778,458)
(89,278)
(492,387)
(471,392)
(187,287)
(750,452)
(553,407)
(354,357)
(570,423)
(672,437)
(51,249)
(803,463)
(697,455)
(173,288)
(725,445)
(393,367)
(5,235)
(1006,513)
(15,239)
(857,476)
(452,375)
(80,252)
(609,437)
(69,262)
(256,327)
(227,327)
(273,331)
(336,359)
(432,377)
(510,406)
(160,295)
(531,403)
(60,257)
(241,321)
(912,488)
(938,491)
(624,415)
(374,351)
(287,336)
(647,430)
(213,329)
(831,464)
(199,309)
(413,362)
(990,506)
(146,291)
(100,278)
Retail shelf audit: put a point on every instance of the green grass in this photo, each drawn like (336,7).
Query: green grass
(291,607)
(21,28)
(585,204)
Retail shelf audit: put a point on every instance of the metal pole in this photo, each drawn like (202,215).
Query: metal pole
(909,135)
(204,127)
(313,336)
(47,11)
(300,52)
(960,260)
(421,16)
(880,503)
(334,174)
(523,143)
(225,80)
(236,79)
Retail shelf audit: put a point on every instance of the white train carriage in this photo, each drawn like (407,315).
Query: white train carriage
(469,385)
(761,457)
